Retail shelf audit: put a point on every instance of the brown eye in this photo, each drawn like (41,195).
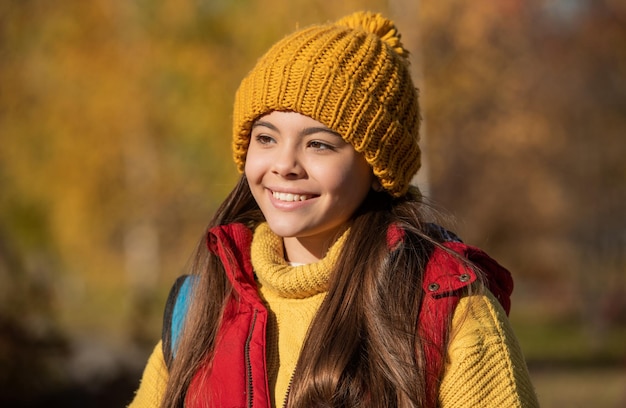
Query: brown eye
(319,145)
(264,139)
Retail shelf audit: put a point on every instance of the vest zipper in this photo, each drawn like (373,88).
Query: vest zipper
(247,358)
(288,390)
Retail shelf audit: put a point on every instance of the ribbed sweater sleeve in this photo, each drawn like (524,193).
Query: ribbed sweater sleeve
(485,366)
(153,381)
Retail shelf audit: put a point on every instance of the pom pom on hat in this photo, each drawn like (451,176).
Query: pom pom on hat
(353,77)
(378,25)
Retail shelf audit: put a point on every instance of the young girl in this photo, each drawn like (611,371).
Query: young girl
(320,282)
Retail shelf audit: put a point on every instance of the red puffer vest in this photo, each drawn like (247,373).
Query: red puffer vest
(237,375)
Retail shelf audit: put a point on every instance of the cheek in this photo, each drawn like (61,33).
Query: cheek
(361,173)
(352,179)
(362,179)
(253,166)
(254,179)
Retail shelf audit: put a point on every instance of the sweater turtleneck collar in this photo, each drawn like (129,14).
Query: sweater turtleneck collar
(276,274)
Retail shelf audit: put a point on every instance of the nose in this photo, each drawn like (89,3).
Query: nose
(287,163)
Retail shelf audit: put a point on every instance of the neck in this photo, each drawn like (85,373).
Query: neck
(306,250)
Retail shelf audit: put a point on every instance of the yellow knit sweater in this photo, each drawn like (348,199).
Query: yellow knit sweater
(484,367)
(292,295)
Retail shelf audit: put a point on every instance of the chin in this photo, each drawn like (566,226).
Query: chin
(282,229)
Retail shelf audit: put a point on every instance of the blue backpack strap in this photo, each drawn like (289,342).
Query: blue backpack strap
(441,234)
(174,316)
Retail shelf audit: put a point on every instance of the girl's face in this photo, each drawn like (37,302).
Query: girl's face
(307,181)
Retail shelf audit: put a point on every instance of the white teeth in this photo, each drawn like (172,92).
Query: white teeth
(289,196)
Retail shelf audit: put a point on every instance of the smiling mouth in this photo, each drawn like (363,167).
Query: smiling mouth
(289,197)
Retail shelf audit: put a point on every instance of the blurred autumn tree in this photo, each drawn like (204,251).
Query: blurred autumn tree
(114,151)
(524,107)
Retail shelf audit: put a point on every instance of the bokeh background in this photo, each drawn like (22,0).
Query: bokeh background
(115,151)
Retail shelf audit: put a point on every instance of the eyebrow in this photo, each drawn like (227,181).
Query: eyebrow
(264,124)
(305,132)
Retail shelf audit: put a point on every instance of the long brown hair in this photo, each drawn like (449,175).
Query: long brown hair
(204,315)
(362,348)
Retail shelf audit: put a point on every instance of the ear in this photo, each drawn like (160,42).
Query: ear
(376,186)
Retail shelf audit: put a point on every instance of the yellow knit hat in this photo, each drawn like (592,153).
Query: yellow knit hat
(353,77)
